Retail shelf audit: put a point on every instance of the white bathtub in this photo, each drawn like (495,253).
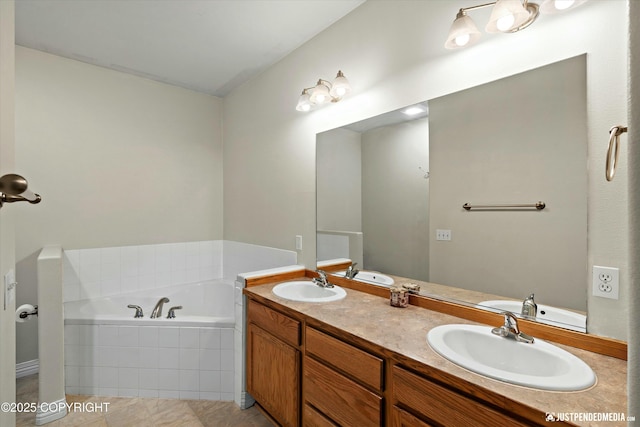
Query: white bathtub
(209,303)
(110,353)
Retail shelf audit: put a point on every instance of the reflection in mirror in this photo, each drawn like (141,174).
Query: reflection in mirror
(390,192)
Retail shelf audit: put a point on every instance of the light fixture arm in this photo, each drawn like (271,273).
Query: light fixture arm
(480,6)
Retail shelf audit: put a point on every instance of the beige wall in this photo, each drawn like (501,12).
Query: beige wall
(118,160)
(395,199)
(518,140)
(269,153)
(7,260)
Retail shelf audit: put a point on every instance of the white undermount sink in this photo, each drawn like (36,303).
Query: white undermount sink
(307,291)
(546,314)
(539,365)
(371,277)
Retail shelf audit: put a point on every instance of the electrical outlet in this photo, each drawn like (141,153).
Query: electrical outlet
(606,282)
(443,234)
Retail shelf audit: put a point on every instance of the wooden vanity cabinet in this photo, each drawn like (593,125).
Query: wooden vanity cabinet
(342,384)
(273,362)
(434,403)
(305,375)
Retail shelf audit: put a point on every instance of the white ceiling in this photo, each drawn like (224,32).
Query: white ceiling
(210,46)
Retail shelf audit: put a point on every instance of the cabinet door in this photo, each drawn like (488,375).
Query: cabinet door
(401,418)
(273,375)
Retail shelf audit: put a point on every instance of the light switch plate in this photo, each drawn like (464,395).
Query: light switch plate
(9,288)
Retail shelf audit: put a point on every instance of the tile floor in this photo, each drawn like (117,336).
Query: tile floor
(139,412)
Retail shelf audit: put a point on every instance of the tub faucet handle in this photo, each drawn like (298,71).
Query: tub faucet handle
(171,314)
(139,313)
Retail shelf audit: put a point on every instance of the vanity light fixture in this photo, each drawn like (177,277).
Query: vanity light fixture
(323,92)
(507,16)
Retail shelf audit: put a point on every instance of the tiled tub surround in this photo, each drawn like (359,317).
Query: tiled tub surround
(92,273)
(108,353)
(208,303)
(150,361)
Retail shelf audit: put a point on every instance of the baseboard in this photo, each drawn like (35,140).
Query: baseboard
(27,368)
(246,400)
(54,411)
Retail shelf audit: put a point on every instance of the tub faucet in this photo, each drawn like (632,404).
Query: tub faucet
(351,271)
(529,307)
(322,280)
(139,313)
(157,310)
(172,312)
(510,329)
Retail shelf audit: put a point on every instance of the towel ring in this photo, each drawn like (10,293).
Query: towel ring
(614,146)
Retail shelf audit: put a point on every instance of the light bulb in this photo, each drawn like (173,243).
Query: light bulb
(340,86)
(304,103)
(462,40)
(506,22)
(463,32)
(341,91)
(319,94)
(563,4)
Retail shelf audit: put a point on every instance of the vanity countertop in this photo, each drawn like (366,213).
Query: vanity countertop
(373,319)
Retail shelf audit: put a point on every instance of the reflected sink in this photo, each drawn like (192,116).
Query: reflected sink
(538,365)
(371,277)
(546,314)
(307,291)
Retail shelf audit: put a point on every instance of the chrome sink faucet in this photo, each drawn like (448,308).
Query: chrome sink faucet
(322,280)
(529,307)
(157,310)
(351,271)
(510,329)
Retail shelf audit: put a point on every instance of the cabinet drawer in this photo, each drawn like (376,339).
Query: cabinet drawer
(441,405)
(401,418)
(351,360)
(349,403)
(283,327)
(313,418)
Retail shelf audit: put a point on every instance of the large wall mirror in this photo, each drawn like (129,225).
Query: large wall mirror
(391,190)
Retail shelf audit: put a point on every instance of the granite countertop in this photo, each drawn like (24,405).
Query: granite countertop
(373,319)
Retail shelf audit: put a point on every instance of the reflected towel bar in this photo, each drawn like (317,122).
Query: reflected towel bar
(539,206)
